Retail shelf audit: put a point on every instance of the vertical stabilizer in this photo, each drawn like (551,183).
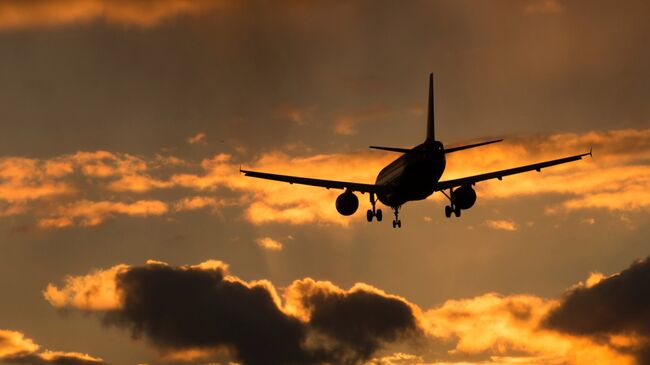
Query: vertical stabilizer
(431,130)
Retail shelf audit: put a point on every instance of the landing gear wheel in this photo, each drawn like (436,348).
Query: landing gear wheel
(396,222)
(378,215)
(457,211)
(447,211)
(369,215)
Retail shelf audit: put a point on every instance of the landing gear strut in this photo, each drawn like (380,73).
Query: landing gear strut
(373,212)
(451,208)
(396,222)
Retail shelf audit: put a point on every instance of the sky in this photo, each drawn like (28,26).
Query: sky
(130,237)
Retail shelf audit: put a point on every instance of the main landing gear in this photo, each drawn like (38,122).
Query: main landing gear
(396,222)
(373,212)
(451,208)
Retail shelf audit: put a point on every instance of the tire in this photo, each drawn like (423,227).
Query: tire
(399,224)
(369,215)
(457,211)
(394,224)
(447,211)
(378,215)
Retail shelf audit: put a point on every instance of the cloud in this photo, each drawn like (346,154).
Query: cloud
(610,307)
(297,115)
(506,329)
(200,309)
(15,348)
(57,191)
(269,243)
(347,124)
(503,225)
(18,14)
(96,291)
(197,202)
(267,201)
(199,137)
(616,179)
(92,213)
(599,321)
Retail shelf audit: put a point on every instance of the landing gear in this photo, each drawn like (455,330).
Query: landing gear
(452,208)
(373,212)
(397,223)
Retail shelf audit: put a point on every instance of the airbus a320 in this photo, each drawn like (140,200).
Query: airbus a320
(415,175)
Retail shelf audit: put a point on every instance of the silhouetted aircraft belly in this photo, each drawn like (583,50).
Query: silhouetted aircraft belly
(413,176)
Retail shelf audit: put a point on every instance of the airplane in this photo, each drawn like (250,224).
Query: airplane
(415,175)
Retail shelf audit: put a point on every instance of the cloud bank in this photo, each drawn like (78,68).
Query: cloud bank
(201,312)
(89,188)
(19,14)
(15,348)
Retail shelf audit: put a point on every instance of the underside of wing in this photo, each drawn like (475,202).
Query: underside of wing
(470,180)
(328,184)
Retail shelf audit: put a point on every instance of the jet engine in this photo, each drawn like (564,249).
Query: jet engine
(347,203)
(464,197)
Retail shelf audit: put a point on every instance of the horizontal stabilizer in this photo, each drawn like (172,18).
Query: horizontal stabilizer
(396,149)
(459,148)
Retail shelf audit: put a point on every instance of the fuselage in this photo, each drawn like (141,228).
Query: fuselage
(413,176)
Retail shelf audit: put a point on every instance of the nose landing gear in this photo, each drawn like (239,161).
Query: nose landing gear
(376,213)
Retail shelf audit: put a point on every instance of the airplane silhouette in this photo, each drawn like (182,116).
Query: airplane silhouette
(413,176)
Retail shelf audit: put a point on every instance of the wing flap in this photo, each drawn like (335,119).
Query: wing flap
(328,184)
(443,185)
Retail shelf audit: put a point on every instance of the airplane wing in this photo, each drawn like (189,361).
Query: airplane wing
(443,185)
(328,184)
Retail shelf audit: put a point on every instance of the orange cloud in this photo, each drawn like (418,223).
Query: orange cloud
(347,124)
(616,179)
(503,326)
(96,291)
(17,14)
(269,243)
(197,202)
(16,348)
(491,328)
(92,213)
(281,202)
(13,342)
(504,225)
(196,138)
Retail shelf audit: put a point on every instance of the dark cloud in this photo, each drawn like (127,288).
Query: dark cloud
(190,308)
(618,305)
(360,320)
(57,359)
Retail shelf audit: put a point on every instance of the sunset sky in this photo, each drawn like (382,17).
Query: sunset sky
(130,237)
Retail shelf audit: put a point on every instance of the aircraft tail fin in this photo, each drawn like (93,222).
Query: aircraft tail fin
(431,130)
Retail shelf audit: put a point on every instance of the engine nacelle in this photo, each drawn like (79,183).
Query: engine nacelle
(464,197)
(347,203)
